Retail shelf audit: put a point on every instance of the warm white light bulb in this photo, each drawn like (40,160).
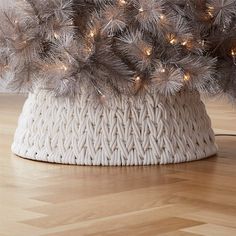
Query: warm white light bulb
(148,51)
(187,77)
(140,9)
(56,35)
(173,41)
(122,2)
(63,67)
(233,52)
(162,17)
(210,11)
(92,34)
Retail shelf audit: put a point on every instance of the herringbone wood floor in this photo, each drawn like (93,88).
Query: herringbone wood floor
(192,199)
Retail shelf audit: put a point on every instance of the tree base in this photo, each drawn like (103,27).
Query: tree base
(146,130)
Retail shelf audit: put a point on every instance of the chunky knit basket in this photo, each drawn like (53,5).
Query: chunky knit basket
(147,130)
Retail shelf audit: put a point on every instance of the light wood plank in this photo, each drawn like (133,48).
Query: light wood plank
(189,199)
(212,230)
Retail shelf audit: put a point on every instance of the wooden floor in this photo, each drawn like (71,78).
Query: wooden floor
(192,199)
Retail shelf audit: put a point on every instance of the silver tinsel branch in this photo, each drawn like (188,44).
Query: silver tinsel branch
(119,46)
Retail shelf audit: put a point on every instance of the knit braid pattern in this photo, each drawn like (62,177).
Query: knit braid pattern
(147,130)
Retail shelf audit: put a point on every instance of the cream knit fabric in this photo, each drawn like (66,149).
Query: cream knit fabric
(147,130)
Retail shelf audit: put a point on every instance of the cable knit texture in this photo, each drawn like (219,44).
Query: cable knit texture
(147,130)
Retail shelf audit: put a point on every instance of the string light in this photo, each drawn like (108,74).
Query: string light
(202,42)
(233,53)
(148,51)
(210,14)
(138,83)
(56,35)
(91,34)
(162,17)
(189,44)
(162,70)
(172,39)
(224,28)
(122,2)
(210,11)
(63,67)
(89,49)
(187,77)
(141,9)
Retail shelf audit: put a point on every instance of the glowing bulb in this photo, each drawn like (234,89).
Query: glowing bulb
(141,9)
(63,67)
(210,10)
(122,2)
(187,77)
(202,42)
(162,70)
(224,28)
(210,14)
(162,17)
(233,52)
(137,78)
(149,51)
(184,43)
(92,34)
(89,49)
(173,41)
(56,35)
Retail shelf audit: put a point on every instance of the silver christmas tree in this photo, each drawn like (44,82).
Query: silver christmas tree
(115,47)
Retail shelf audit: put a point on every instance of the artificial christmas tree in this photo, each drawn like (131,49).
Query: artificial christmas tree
(117,82)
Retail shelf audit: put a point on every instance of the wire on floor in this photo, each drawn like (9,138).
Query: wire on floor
(225,135)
